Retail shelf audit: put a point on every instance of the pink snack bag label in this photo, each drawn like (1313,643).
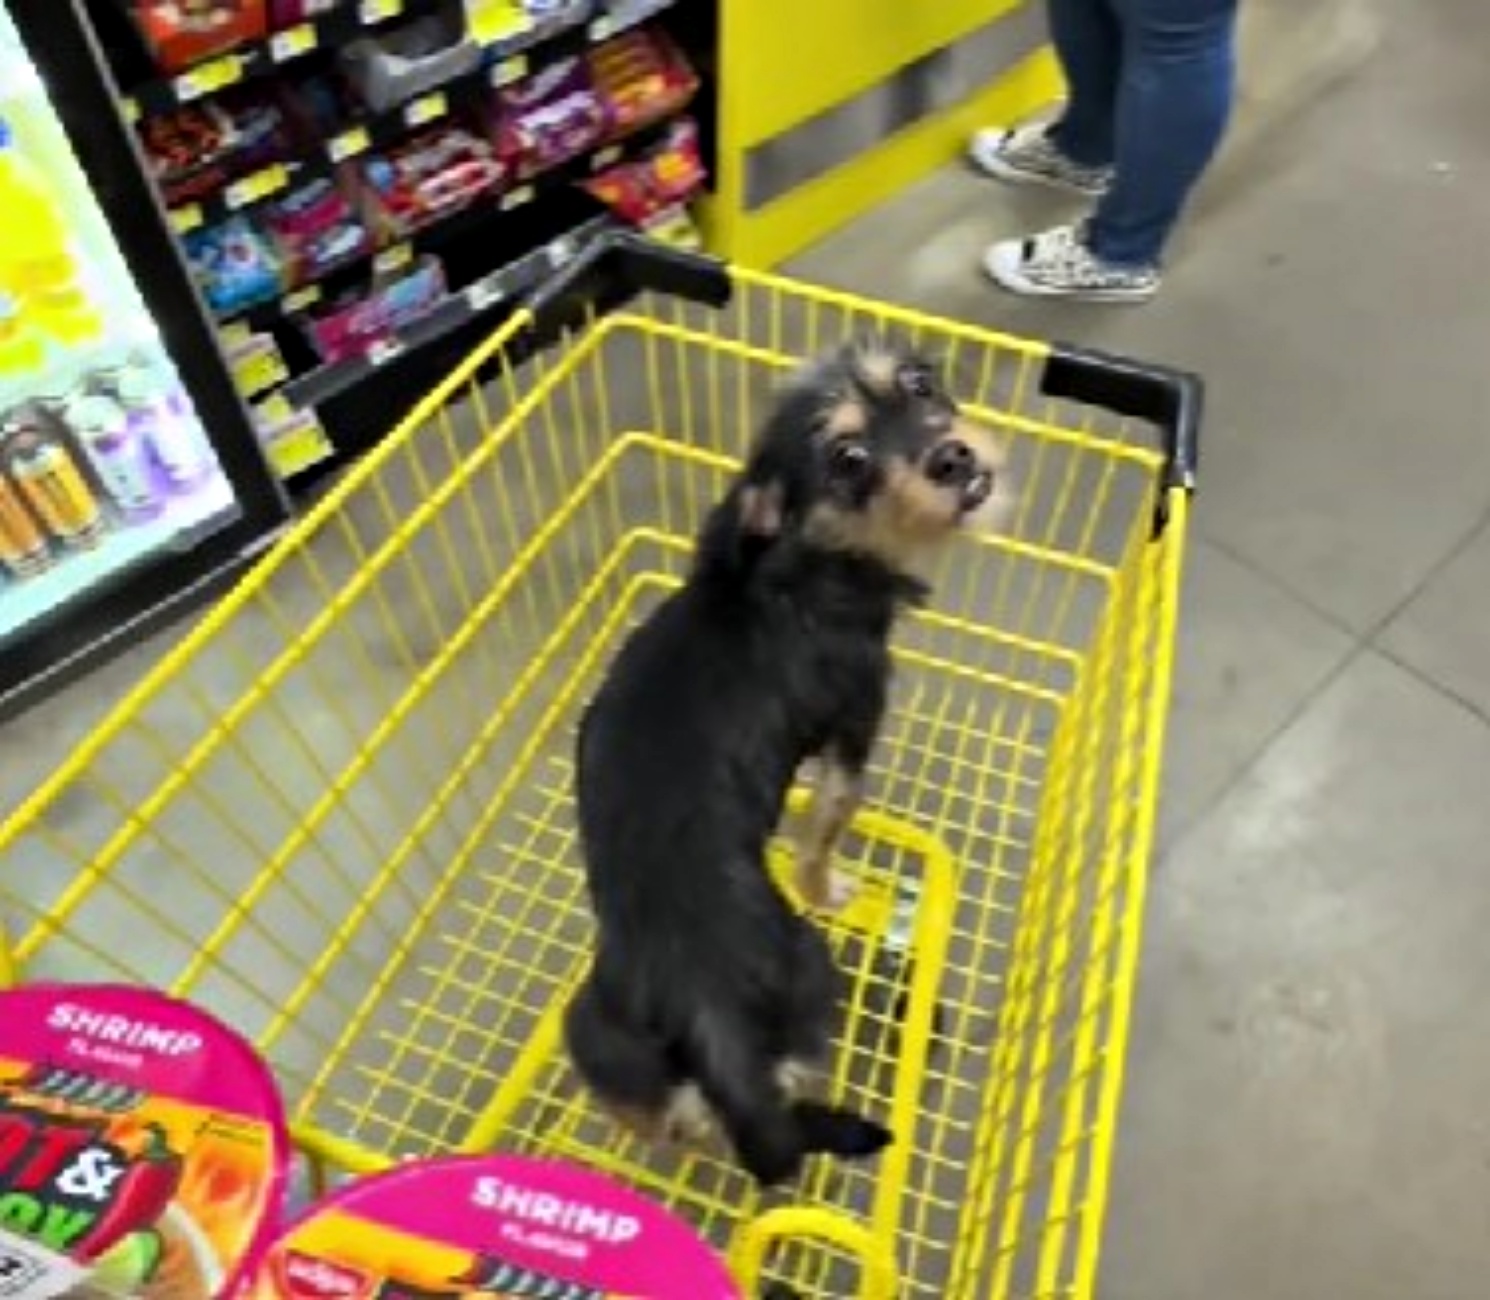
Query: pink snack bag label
(500,1227)
(143,1148)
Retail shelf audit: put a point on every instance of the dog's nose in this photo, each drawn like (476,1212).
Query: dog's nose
(952,464)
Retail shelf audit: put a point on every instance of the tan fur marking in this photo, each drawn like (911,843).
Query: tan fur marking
(834,799)
(845,419)
(685,1120)
(797,1079)
(878,369)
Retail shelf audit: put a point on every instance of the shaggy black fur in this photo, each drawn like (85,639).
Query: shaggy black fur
(773,652)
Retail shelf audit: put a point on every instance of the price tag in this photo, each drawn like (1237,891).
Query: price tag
(373,12)
(493,21)
(606,157)
(300,299)
(185,220)
(258,186)
(274,409)
(508,71)
(675,229)
(300,446)
(259,371)
(484,293)
(234,334)
(209,78)
(293,42)
(603,28)
(29,1272)
(427,109)
(349,144)
(516,198)
(383,351)
(131,110)
(559,252)
(391,259)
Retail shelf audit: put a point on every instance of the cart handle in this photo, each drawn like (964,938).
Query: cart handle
(619,263)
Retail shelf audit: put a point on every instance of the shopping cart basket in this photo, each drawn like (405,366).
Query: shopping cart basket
(339,813)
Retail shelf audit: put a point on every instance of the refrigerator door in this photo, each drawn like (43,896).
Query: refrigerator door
(129,471)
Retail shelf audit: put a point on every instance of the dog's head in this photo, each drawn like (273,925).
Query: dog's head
(866,451)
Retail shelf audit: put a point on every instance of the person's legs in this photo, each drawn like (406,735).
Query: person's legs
(1076,152)
(1089,45)
(1174,100)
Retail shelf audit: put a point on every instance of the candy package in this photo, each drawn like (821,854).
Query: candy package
(316,229)
(356,323)
(641,77)
(235,265)
(182,32)
(655,186)
(548,118)
(426,178)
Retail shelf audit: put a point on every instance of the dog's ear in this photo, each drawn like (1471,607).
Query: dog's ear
(742,527)
(761,508)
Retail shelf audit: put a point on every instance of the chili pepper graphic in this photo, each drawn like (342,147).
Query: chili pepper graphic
(145,1191)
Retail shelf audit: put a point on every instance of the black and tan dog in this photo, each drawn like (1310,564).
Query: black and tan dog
(710,996)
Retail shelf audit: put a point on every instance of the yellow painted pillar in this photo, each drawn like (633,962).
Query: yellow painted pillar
(829,107)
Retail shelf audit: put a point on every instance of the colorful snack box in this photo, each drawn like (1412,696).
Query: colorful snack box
(493,1226)
(143,1148)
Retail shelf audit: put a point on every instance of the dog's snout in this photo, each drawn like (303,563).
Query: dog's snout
(951,464)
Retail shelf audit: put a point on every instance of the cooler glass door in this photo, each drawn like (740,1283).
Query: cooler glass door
(129,473)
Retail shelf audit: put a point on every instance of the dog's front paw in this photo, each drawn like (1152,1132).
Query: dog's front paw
(824,889)
(688,1120)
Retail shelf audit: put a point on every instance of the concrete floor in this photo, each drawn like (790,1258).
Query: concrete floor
(1305,1109)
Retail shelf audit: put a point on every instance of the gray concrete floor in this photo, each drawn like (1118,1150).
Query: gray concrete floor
(1305,1106)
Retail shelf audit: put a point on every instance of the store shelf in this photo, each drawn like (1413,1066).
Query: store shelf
(506,48)
(432,237)
(377,131)
(495,292)
(263,58)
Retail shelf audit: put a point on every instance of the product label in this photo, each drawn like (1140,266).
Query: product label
(141,1145)
(29,1272)
(500,1226)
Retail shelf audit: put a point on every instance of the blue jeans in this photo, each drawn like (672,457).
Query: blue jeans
(1151,84)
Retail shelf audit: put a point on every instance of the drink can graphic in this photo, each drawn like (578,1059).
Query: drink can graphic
(23,543)
(120,457)
(165,426)
(54,487)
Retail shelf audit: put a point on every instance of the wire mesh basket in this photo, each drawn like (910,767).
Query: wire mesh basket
(339,813)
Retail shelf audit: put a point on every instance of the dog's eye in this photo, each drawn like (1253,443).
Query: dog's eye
(847,458)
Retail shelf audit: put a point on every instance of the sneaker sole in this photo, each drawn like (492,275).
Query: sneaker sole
(1017,284)
(995,168)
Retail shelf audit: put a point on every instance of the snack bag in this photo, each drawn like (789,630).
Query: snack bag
(143,1148)
(182,32)
(489,1226)
(640,77)
(655,187)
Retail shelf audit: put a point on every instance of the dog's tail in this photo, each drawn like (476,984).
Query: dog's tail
(771,1135)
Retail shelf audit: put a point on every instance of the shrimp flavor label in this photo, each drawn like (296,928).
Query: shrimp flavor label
(493,1228)
(123,1147)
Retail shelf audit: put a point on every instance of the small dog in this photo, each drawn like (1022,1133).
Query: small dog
(710,997)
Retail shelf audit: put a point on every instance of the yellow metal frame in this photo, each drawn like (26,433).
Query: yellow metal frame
(768,86)
(339,811)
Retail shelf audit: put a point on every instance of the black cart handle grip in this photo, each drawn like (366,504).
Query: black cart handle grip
(625,262)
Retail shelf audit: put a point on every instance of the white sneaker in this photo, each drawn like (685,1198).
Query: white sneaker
(1057,264)
(1027,155)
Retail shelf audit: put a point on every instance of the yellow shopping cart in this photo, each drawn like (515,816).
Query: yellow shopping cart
(339,812)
